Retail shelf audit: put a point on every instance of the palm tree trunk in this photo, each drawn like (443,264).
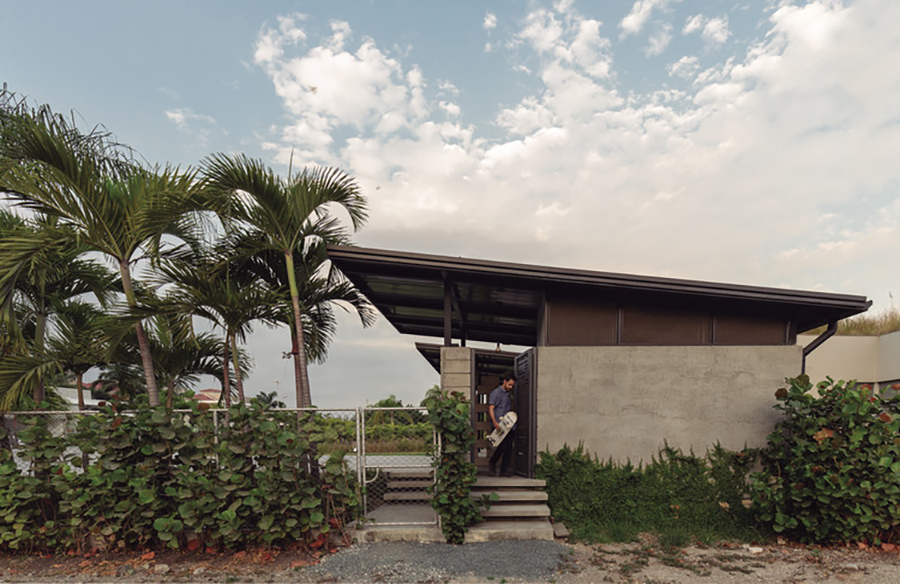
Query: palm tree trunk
(143,344)
(170,394)
(237,368)
(79,386)
(301,373)
(226,378)
(40,325)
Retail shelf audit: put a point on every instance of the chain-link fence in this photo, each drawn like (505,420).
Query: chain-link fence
(389,450)
(398,445)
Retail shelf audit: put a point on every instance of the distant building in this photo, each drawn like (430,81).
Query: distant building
(208,396)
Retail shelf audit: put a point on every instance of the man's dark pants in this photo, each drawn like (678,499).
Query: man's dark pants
(504,450)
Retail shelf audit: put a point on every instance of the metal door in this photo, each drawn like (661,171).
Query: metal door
(526,379)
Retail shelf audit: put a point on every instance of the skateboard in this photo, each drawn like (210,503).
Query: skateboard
(506,424)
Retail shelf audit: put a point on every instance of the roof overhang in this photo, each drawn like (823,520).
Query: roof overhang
(500,302)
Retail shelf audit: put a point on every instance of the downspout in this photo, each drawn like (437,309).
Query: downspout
(829,332)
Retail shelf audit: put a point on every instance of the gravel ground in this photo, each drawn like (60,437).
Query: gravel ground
(497,562)
(536,561)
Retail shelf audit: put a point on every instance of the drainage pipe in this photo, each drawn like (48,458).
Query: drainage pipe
(829,332)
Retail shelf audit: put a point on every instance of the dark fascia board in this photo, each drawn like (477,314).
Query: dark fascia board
(354,258)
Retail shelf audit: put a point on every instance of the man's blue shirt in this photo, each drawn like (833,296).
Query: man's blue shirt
(502,402)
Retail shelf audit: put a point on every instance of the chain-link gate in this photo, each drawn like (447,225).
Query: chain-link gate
(396,451)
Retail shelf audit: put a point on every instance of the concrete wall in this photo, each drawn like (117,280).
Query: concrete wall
(456,369)
(624,402)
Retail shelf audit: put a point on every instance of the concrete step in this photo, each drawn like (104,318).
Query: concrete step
(508,482)
(410,474)
(510,496)
(409,484)
(407,496)
(510,511)
(507,530)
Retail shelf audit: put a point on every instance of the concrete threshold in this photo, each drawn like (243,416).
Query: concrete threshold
(385,533)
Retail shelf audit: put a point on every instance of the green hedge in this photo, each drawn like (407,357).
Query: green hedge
(676,495)
(161,479)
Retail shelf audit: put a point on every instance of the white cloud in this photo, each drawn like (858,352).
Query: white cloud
(183,117)
(490,21)
(659,41)
(640,14)
(685,67)
(772,167)
(714,31)
(451,108)
(693,24)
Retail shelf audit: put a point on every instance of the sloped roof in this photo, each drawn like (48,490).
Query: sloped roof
(499,302)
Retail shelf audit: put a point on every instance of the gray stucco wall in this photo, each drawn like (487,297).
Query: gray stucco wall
(624,402)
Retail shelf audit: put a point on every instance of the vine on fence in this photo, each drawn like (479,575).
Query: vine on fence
(454,473)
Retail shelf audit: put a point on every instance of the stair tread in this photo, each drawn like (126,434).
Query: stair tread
(517,495)
(409,484)
(526,510)
(407,496)
(518,482)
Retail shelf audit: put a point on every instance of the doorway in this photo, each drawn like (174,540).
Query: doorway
(488,368)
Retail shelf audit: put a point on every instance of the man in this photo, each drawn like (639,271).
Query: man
(499,404)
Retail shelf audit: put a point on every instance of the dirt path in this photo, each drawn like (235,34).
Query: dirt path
(568,564)
(729,563)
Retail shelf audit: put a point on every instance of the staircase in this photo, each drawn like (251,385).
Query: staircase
(521,512)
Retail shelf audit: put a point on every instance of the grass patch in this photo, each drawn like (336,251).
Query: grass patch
(680,498)
(867,324)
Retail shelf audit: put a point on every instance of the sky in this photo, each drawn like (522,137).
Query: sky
(750,142)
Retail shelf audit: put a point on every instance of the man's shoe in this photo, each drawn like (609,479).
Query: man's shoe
(492,470)
(509,474)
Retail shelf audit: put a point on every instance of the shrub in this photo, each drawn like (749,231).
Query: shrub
(153,478)
(676,495)
(831,469)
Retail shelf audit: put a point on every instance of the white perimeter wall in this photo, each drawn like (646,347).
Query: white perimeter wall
(865,359)
(624,402)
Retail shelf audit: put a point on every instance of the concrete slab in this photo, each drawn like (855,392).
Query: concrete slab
(560,530)
(510,530)
(402,513)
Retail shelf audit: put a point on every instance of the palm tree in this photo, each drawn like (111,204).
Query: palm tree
(80,341)
(77,343)
(102,200)
(180,359)
(321,288)
(203,287)
(50,278)
(288,215)
(269,400)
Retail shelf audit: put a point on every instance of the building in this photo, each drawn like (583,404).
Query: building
(620,363)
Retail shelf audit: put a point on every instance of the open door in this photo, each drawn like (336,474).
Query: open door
(524,406)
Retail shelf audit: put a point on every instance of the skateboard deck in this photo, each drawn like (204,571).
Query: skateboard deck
(506,424)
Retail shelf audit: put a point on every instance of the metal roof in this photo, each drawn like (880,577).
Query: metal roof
(499,302)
